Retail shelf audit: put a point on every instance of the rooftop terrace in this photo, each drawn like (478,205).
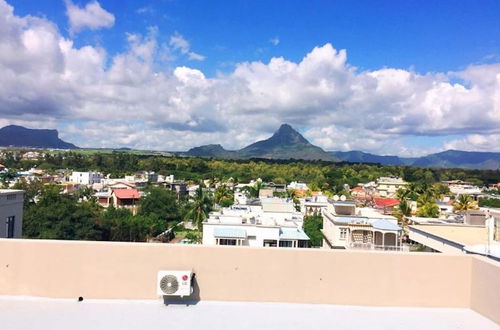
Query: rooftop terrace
(63,314)
(255,287)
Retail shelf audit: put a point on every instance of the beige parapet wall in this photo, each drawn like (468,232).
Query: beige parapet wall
(105,270)
(485,288)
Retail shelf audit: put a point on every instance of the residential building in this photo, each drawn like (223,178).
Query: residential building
(275,223)
(125,198)
(266,193)
(346,227)
(297,186)
(313,205)
(178,187)
(275,187)
(86,178)
(387,186)
(11,213)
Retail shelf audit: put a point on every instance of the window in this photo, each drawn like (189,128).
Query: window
(225,241)
(10,226)
(302,244)
(11,197)
(343,233)
(287,244)
(270,243)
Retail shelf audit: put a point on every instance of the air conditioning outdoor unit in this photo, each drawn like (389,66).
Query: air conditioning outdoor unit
(174,283)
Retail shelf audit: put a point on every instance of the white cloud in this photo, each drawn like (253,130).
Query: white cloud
(178,42)
(275,41)
(475,142)
(92,16)
(129,99)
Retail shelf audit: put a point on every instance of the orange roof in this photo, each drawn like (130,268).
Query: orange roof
(357,188)
(385,202)
(126,193)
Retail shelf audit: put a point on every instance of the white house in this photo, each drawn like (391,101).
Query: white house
(297,186)
(275,223)
(87,178)
(313,205)
(347,227)
(387,186)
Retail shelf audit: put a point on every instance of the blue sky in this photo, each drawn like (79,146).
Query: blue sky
(423,35)
(434,41)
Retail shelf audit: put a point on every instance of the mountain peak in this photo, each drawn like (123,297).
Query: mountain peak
(286,134)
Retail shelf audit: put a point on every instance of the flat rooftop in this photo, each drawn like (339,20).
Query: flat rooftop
(461,234)
(18,313)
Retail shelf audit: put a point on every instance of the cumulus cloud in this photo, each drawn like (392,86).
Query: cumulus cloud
(475,142)
(101,99)
(92,16)
(178,42)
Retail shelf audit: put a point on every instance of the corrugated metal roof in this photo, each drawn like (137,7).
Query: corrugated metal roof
(293,233)
(230,232)
(385,225)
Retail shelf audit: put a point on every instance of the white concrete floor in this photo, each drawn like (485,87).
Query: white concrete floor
(52,314)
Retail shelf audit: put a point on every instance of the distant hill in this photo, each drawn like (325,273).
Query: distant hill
(461,159)
(364,157)
(211,150)
(446,159)
(18,136)
(285,143)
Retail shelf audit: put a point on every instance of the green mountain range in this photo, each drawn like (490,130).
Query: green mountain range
(287,143)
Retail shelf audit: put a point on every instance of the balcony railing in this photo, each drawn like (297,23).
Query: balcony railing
(370,246)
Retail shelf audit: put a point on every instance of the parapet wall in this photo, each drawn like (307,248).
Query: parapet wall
(106,270)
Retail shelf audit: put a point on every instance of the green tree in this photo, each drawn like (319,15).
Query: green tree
(224,196)
(59,216)
(199,209)
(312,227)
(403,212)
(161,203)
(464,203)
(428,210)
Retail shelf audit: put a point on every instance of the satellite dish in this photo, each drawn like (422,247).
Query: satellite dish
(342,198)
(336,198)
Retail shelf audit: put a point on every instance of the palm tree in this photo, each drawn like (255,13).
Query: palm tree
(404,212)
(199,209)
(464,203)
(224,196)
(253,191)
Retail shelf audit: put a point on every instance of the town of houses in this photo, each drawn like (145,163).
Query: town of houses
(362,220)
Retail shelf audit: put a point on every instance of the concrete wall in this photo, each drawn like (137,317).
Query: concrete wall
(435,243)
(128,271)
(485,288)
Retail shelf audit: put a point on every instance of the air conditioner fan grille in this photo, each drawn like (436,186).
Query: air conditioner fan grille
(169,284)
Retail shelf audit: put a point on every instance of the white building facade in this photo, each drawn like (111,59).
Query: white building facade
(348,227)
(275,223)
(11,213)
(87,178)
(387,186)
